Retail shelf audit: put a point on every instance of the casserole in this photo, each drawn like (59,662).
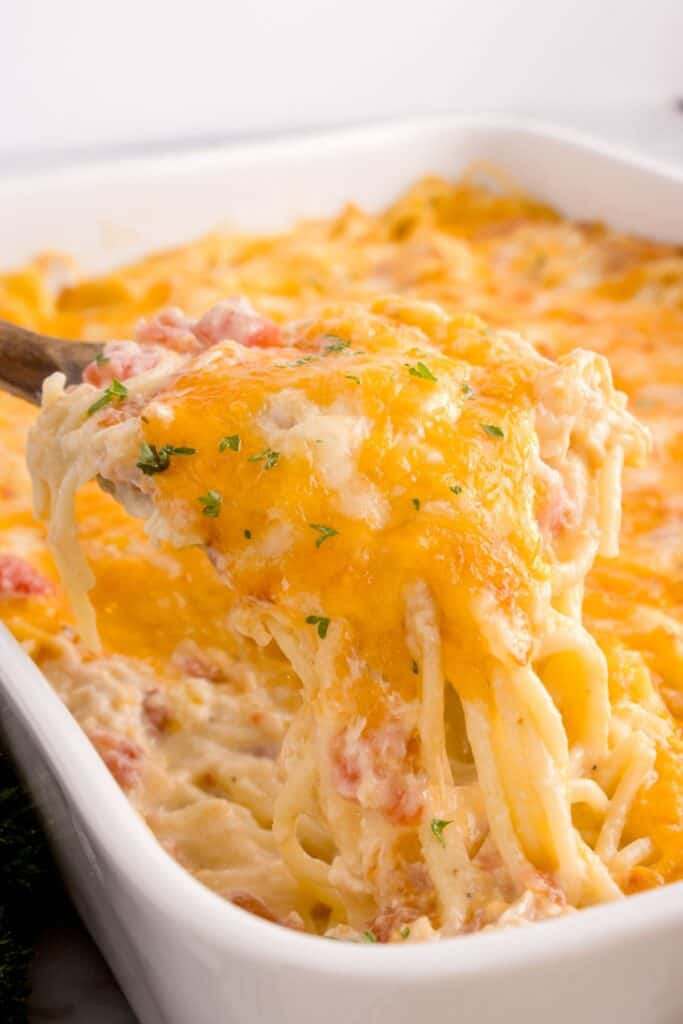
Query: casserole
(429,147)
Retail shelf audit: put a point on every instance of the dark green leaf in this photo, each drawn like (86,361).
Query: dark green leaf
(231,443)
(492,430)
(420,370)
(437,826)
(211,502)
(337,345)
(321,622)
(156,460)
(268,456)
(114,393)
(324,531)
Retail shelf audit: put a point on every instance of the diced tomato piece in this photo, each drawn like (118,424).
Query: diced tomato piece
(255,905)
(18,578)
(122,758)
(404,800)
(155,710)
(170,328)
(235,319)
(376,769)
(197,664)
(391,920)
(562,501)
(122,359)
(346,771)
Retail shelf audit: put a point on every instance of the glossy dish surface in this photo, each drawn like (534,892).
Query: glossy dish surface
(452,236)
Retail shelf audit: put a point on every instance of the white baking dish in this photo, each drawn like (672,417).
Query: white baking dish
(181,954)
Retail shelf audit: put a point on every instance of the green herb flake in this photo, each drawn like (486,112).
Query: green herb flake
(268,456)
(230,443)
(321,622)
(295,362)
(114,393)
(404,932)
(247,534)
(156,460)
(352,376)
(337,344)
(416,504)
(211,502)
(467,390)
(420,370)
(324,531)
(369,935)
(456,488)
(101,359)
(492,430)
(437,828)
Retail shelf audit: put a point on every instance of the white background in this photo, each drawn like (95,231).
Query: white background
(80,75)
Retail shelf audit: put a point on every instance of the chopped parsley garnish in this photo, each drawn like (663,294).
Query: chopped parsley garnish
(420,370)
(324,531)
(404,932)
(352,376)
(467,390)
(230,443)
(302,361)
(492,430)
(295,362)
(152,460)
(114,393)
(268,456)
(156,460)
(369,935)
(416,504)
(101,359)
(437,826)
(247,534)
(321,622)
(211,502)
(337,344)
(415,667)
(456,488)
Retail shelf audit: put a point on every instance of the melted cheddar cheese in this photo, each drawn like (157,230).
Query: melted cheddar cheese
(365,447)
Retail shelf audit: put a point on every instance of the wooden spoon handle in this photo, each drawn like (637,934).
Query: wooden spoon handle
(26,359)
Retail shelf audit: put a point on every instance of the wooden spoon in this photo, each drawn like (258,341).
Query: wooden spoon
(27,358)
